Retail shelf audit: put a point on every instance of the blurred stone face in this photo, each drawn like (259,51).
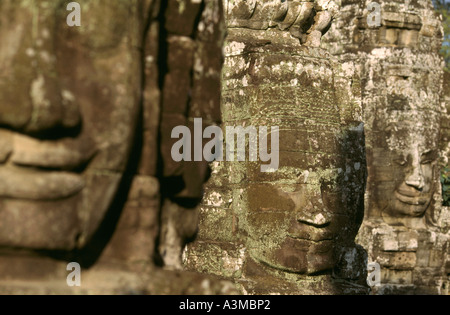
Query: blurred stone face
(69,101)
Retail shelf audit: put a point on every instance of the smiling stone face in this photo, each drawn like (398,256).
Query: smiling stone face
(302,225)
(405,150)
(405,169)
(294,228)
(69,100)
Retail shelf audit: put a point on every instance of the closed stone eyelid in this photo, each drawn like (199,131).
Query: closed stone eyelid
(401,160)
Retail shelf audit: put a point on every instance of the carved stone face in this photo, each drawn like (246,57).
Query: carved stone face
(301,227)
(297,226)
(405,150)
(414,193)
(69,100)
(300,216)
(406,172)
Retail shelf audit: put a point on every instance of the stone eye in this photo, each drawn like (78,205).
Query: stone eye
(401,161)
(426,161)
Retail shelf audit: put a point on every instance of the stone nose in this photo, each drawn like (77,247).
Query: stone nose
(35,104)
(32,99)
(415,178)
(317,218)
(314,213)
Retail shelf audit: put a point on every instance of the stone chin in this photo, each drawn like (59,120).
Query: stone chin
(408,203)
(396,212)
(298,256)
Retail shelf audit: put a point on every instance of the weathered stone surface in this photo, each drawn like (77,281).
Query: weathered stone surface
(87,173)
(296,221)
(118,279)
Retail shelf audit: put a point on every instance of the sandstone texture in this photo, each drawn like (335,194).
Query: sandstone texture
(334,119)
(403,96)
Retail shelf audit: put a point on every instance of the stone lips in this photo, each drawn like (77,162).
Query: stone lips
(40,170)
(38,185)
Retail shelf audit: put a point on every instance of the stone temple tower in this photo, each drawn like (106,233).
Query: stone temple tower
(393,48)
